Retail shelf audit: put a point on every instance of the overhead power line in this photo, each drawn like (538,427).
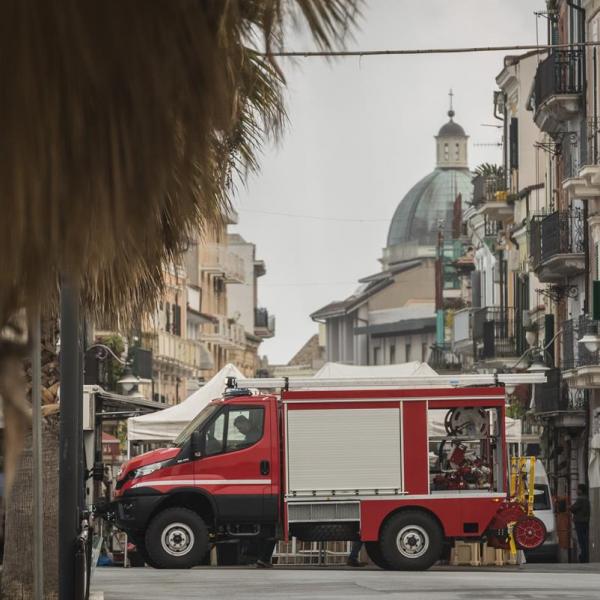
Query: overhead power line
(413,51)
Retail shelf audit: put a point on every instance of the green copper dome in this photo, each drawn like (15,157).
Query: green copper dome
(429,201)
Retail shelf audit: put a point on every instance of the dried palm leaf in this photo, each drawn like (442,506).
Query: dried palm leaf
(123,124)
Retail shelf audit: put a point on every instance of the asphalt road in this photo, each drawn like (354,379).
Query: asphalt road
(530,582)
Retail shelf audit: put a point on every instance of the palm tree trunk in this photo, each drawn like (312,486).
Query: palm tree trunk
(17,577)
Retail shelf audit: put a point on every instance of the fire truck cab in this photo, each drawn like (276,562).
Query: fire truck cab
(402,468)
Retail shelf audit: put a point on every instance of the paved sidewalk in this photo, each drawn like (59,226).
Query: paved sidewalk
(530,582)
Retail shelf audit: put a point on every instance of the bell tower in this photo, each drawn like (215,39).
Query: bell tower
(452,143)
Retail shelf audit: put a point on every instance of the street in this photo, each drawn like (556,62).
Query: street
(575,582)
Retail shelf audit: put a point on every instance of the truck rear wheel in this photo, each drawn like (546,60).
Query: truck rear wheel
(411,541)
(177,538)
(374,551)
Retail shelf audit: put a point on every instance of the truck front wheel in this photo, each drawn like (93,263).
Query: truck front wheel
(177,538)
(374,552)
(411,541)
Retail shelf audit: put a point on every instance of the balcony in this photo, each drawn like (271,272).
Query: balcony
(557,245)
(485,334)
(225,332)
(490,198)
(182,356)
(443,360)
(557,89)
(587,184)
(221,260)
(494,333)
(264,323)
(554,400)
(581,367)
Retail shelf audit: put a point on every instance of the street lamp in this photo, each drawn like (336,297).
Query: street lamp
(538,365)
(128,381)
(591,342)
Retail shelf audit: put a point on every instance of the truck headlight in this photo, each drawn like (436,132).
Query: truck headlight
(147,469)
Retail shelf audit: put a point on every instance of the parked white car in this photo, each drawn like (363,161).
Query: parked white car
(543,509)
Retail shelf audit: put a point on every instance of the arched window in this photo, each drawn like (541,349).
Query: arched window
(446,152)
(457,151)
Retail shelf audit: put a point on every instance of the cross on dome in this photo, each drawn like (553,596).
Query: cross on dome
(451,112)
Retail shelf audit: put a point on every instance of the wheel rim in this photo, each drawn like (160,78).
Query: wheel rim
(529,533)
(412,541)
(177,539)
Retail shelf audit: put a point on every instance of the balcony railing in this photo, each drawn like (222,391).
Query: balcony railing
(551,397)
(442,358)
(225,332)
(491,228)
(593,141)
(169,348)
(558,233)
(560,73)
(485,188)
(219,258)
(264,323)
(494,332)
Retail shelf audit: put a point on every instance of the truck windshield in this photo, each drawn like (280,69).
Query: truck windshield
(195,423)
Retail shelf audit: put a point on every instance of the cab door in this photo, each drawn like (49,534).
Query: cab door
(235,466)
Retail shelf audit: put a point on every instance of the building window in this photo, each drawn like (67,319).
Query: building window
(376,352)
(424,348)
(457,152)
(446,152)
(392,354)
(407,353)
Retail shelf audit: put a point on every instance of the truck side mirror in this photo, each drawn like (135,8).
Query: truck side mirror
(196,443)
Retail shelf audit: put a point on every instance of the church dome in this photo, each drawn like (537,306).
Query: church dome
(451,129)
(416,218)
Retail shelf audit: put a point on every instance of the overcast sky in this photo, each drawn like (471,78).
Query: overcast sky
(360,136)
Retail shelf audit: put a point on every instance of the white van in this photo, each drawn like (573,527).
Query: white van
(543,508)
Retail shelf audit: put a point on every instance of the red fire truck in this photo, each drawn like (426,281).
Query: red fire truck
(405,465)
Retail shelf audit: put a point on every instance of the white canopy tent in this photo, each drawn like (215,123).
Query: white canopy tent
(332,370)
(165,425)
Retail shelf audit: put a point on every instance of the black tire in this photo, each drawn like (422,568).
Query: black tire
(141,549)
(411,541)
(374,552)
(177,538)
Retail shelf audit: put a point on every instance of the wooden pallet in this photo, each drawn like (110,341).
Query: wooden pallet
(466,554)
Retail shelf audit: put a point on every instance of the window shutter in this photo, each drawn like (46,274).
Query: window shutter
(514,143)
(168,316)
(176,319)
(596,300)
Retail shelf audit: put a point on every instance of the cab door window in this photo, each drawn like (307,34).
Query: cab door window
(214,435)
(244,427)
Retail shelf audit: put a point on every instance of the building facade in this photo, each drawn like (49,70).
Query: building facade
(206,318)
(534,228)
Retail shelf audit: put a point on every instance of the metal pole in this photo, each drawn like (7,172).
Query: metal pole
(36,434)
(69,483)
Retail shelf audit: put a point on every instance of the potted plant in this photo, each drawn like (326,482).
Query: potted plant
(531,333)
